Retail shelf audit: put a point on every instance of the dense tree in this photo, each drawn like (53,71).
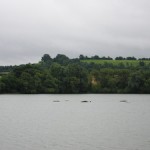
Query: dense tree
(95,57)
(119,58)
(61,59)
(81,57)
(130,58)
(135,82)
(64,75)
(46,58)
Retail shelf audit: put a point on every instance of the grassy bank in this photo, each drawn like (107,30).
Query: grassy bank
(117,62)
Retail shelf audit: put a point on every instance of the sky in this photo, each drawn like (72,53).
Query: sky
(31,28)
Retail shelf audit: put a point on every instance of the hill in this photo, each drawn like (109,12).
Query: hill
(64,75)
(126,63)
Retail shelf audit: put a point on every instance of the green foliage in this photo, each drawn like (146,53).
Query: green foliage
(118,63)
(61,59)
(5,69)
(64,75)
(46,58)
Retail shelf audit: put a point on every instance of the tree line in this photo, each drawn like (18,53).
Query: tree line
(96,57)
(64,75)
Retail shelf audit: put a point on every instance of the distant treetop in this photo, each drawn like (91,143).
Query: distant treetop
(46,58)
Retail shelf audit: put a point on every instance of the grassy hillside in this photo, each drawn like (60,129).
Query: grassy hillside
(117,62)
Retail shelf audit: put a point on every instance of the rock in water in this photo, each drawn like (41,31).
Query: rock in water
(125,101)
(84,101)
(56,101)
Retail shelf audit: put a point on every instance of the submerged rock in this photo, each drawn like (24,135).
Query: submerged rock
(85,101)
(125,101)
(56,101)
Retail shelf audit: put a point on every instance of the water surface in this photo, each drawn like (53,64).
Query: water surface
(36,122)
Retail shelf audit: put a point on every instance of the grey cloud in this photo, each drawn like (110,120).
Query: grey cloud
(31,28)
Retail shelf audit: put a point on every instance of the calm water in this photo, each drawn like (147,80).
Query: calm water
(35,122)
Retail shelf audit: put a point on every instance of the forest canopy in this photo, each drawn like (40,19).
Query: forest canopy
(79,75)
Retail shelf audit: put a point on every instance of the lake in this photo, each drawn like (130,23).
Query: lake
(63,122)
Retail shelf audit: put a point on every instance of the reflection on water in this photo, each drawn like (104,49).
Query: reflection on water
(77,122)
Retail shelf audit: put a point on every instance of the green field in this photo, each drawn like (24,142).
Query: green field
(117,62)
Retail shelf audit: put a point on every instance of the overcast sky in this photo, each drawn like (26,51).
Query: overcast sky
(31,28)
